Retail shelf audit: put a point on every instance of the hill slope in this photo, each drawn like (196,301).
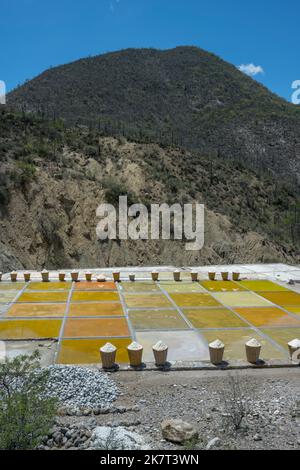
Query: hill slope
(52,179)
(184,96)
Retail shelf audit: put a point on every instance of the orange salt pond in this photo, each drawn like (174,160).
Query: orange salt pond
(93,309)
(89,327)
(94,296)
(37,310)
(264,317)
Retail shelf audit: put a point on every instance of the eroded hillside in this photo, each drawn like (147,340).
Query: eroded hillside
(52,180)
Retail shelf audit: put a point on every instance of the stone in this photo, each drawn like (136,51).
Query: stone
(58,438)
(118,438)
(105,411)
(41,447)
(77,442)
(178,431)
(215,442)
(121,409)
(50,443)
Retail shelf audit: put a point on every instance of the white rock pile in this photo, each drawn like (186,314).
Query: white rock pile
(77,387)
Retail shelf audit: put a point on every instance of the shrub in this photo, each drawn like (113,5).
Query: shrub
(236,401)
(4,196)
(24,173)
(25,414)
(114,189)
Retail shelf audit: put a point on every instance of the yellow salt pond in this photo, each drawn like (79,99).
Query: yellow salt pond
(86,351)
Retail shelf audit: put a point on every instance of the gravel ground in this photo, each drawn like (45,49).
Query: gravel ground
(270,400)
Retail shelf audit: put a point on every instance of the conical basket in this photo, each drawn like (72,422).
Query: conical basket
(116,276)
(108,358)
(160,357)
(27,277)
(252,353)
(216,353)
(45,276)
(135,356)
(13,276)
(74,276)
(293,347)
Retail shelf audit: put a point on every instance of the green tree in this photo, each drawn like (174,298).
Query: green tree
(26,414)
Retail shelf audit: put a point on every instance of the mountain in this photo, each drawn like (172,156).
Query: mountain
(183,96)
(53,177)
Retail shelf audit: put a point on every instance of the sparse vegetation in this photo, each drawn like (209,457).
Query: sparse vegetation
(180,97)
(114,189)
(254,200)
(236,402)
(25,415)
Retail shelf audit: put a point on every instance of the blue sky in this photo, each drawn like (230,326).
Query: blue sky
(37,34)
